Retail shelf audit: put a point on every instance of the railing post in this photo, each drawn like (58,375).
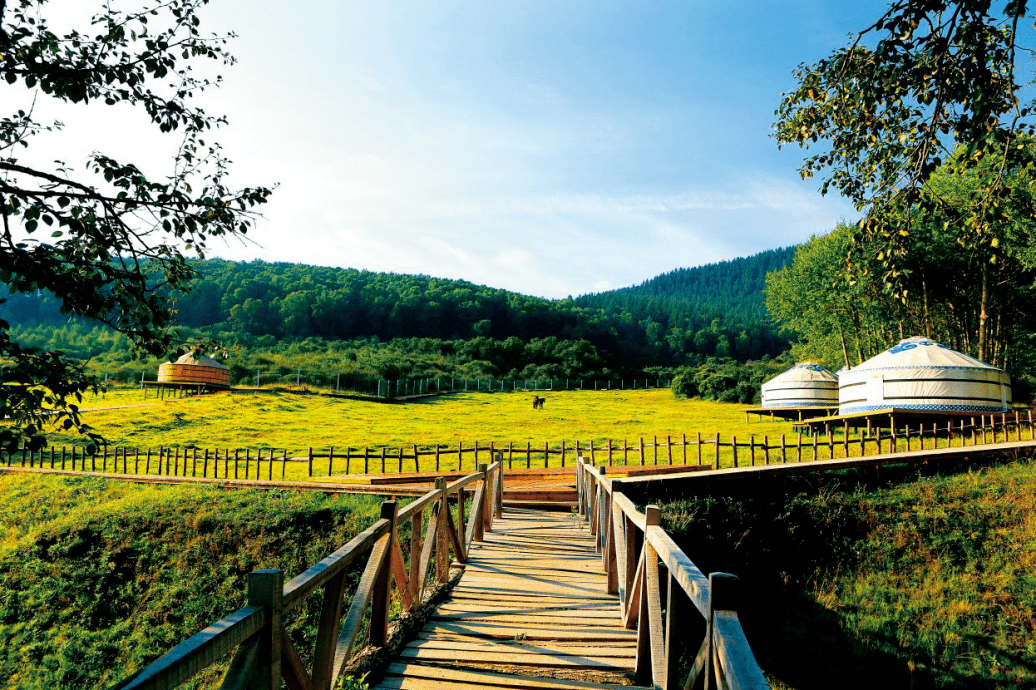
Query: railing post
(500,486)
(611,565)
(482,518)
(601,503)
(382,591)
(416,583)
(265,588)
(579,485)
(442,545)
(723,596)
(644,669)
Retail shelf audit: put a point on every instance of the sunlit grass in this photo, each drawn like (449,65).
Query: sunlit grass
(291,423)
(924,583)
(294,423)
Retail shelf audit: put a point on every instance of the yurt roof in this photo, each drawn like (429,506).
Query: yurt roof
(804,371)
(921,353)
(199,360)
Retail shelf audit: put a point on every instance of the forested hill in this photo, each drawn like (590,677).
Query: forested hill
(676,318)
(733,289)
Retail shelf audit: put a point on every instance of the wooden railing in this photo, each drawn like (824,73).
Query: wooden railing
(699,610)
(264,654)
(683,449)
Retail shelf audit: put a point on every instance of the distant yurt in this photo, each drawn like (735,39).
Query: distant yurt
(804,385)
(194,369)
(921,374)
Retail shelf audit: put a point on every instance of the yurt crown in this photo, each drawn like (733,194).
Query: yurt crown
(915,341)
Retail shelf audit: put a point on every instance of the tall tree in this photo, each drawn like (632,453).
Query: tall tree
(929,77)
(115,234)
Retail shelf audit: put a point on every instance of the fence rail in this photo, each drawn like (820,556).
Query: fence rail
(371,387)
(264,654)
(675,449)
(698,609)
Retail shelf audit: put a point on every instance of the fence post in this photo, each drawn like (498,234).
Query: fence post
(310,462)
(265,588)
(641,450)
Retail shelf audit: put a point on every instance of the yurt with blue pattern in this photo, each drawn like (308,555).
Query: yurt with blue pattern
(804,385)
(921,374)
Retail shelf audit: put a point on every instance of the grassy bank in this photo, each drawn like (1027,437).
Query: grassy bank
(102,577)
(925,583)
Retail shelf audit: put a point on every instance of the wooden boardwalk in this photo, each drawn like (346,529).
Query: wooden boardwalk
(531,610)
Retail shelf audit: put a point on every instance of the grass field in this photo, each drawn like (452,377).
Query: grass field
(294,422)
(100,577)
(290,423)
(924,583)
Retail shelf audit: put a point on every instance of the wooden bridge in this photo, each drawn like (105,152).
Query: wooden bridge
(602,597)
(547,600)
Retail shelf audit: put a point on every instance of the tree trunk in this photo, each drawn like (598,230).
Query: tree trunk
(983,312)
(859,336)
(845,350)
(927,318)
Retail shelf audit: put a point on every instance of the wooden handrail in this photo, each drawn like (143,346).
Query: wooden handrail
(265,654)
(632,544)
(199,651)
(316,576)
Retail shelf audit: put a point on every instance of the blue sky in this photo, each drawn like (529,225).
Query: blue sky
(553,148)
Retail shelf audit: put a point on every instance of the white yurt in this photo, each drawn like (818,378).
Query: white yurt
(804,385)
(921,374)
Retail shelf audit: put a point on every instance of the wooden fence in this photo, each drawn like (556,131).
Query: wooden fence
(683,449)
(699,610)
(264,654)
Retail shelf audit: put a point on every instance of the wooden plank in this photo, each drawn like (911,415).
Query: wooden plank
(400,575)
(510,630)
(619,650)
(354,617)
(565,618)
(555,660)
(445,677)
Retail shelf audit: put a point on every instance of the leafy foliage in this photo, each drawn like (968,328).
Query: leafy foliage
(344,320)
(931,82)
(727,380)
(832,296)
(115,232)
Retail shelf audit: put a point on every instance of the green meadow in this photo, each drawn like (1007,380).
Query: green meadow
(289,423)
(296,421)
(905,582)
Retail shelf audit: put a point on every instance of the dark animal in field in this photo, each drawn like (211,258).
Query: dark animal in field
(537,402)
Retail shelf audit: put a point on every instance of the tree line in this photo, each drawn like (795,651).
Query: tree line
(424,326)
